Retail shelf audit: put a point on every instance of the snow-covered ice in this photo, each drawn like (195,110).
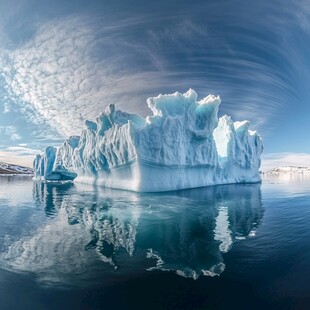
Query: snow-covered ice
(182,145)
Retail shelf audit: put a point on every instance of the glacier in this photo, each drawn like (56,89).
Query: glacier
(183,144)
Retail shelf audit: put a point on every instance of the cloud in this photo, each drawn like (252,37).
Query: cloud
(10,132)
(19,155)
(274,160)
(13,157)
(22,150)
(301,14)
(57,81)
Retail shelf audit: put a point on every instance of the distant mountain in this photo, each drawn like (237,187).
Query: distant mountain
(9,169)
(289,170)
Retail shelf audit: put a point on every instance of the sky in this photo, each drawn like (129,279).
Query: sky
(62,62)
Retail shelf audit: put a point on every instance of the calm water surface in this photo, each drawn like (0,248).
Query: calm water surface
(71,246)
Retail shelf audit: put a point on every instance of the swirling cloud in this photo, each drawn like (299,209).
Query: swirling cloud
(73,65)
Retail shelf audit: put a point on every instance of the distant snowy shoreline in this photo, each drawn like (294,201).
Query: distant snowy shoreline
(288,170)
(11,170)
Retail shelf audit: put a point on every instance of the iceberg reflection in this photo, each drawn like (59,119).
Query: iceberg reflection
(102,233)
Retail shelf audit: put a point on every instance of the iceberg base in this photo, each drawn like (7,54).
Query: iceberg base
(142,177)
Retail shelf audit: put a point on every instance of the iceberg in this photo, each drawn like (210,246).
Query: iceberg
(183,144)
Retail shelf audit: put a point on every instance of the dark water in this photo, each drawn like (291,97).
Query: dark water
(70,246)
